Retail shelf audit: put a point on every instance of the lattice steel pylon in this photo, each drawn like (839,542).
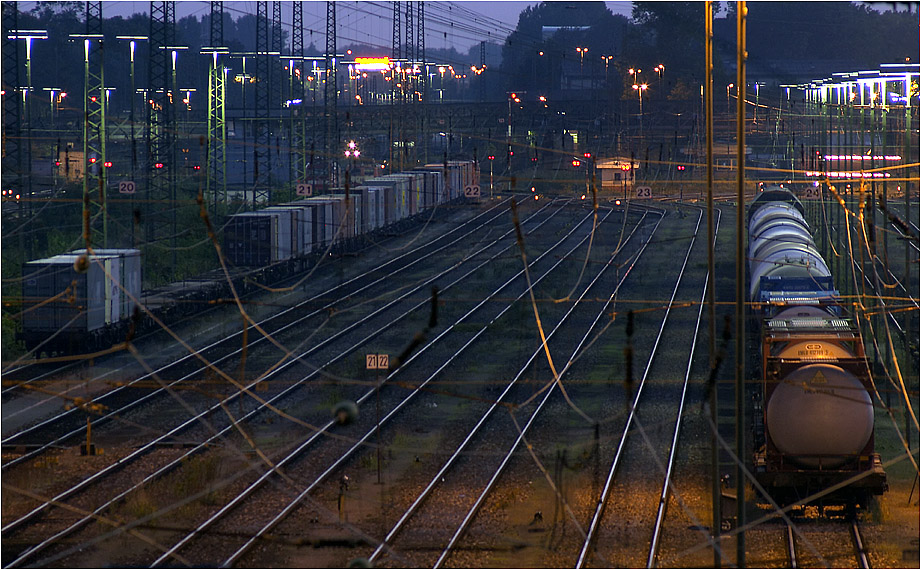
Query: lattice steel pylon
(423,77)
(396,100)
(94,128)
(12,170)
(409,89)
(262,191)
(160,168)
(216,179)
(331,96)
(299,126)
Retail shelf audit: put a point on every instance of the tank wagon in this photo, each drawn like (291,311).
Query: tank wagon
(75,305)
(814,418)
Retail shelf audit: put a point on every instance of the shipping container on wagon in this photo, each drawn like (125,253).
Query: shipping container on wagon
(129,277)
(412,197)
(304,225)
(363,207)
(329,219)
(431,188)
(349,213)
(391,190)
(293,246)
(451,180)
(257,238)
(375,208)
(400,194)
(58,298)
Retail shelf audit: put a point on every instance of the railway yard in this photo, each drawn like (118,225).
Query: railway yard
(460,285)
(543,406)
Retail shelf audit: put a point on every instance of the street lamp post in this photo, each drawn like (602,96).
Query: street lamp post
(132,48)
(582,51)
(634,73)
(660,71)
(606,59)
(728,87)
(639,89)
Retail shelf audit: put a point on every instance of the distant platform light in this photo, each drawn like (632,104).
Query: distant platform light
(372,63)
(862,157)
(846,174)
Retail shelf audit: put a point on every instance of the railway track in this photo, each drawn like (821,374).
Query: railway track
(331,475)
(121,495)
(330,297)
(642,446)
(825,549)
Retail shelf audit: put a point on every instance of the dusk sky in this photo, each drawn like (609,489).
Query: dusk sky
(370,22)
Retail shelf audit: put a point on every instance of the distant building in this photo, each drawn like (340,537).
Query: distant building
(547,32)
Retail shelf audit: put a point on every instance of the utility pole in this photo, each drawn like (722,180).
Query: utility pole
(711,295)
(741,291)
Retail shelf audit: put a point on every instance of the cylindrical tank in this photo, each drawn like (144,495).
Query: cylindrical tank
(770,212)
(788,260)
(819,415)
(775,232)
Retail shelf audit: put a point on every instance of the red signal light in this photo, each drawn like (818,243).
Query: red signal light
(587,154)
(93,160)
(57,163)
(158,165)
(196,167)
(680,167)
(491,157)
(576,162)
(107,164)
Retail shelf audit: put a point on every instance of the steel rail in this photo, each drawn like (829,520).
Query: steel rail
(235,336)
(259,340)
(471,513)
(473,432)
(791,544)
(61,369)
(203,445)
(188,423)
(609,481)
(322,477)
(666,483)
(863,558)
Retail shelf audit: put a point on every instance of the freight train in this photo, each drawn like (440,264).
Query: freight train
(75,303)
(814,413)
